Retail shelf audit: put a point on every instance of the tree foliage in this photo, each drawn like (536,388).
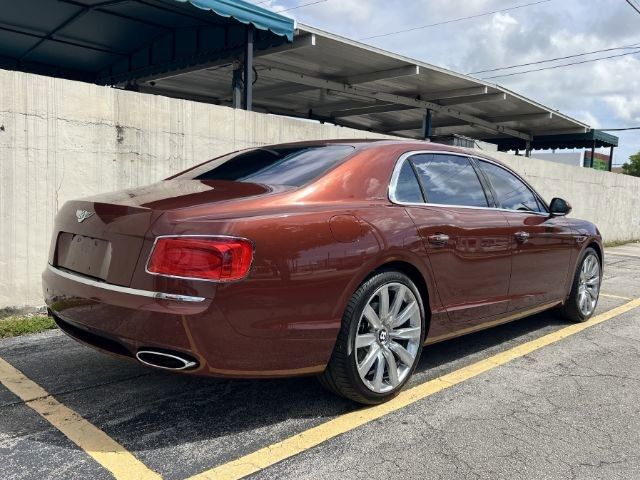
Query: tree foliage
(632,167)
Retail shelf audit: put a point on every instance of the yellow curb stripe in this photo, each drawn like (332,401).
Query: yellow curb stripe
(100,446)
(265,457)
(608,295)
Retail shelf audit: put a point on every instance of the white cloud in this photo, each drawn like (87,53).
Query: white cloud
(625,107)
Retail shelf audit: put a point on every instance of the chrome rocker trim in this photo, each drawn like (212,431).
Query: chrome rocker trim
(125,290)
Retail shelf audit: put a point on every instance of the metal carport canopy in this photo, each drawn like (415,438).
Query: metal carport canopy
(110,41)
(193,49)
(330,78)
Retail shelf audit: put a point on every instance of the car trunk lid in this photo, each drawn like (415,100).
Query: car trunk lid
(102,236)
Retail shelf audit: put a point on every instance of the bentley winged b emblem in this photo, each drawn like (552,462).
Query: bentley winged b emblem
(82,215)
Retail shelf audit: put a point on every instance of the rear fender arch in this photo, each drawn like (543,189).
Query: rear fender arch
(406,262)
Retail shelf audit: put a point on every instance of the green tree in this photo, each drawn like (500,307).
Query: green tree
(632,167)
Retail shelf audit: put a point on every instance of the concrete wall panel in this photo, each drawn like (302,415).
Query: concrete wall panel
(61,140)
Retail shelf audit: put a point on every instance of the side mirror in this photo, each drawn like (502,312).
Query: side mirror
(559,207)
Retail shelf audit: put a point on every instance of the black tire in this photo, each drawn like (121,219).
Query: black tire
(341,376)
(571,309)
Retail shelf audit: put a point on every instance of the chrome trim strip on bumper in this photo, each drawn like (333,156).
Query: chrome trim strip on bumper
(125,290)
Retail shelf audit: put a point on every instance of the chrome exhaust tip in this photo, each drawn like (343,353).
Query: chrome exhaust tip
(166,361)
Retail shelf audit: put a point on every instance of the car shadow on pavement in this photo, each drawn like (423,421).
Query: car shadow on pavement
(441,358)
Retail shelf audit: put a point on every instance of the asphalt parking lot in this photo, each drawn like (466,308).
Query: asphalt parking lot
(532,399)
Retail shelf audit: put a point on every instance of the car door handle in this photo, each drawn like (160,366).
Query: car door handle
(522,236)
(439,239)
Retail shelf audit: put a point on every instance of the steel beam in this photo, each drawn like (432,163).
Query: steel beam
(353,80)
(381,75)
(436,131)
(452,130)
(312,81)
(384,108)
(458,92)
(327,110)
(486,97)
(521,118)
(561,131)
(280,90)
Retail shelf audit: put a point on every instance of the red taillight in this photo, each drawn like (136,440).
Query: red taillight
(216,258)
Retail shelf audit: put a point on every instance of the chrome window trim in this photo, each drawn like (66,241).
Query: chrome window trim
(125,290)
(396,173)
(226,237)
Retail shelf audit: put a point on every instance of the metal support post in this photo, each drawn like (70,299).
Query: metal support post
(237,84)
(426,124)
(247,93)
(611,158)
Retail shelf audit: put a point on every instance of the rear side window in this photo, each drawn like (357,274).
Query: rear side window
(407,187)
(512,193)
(449,180)
(294,166)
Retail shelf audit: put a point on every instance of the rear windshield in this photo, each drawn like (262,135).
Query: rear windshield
(294,166)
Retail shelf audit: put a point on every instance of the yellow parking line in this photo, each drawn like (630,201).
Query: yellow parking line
(104,450)
(265,457)
(608,295)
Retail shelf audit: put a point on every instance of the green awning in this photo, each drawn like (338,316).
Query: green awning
(248,13)
(592,138)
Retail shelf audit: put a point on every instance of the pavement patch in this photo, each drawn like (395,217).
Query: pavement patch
(102,448)
(265,457)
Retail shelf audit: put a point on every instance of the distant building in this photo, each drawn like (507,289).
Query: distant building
(577,159)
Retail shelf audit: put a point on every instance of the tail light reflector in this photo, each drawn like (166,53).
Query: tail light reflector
(219,259)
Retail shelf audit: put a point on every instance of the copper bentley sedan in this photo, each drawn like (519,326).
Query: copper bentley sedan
(341,259)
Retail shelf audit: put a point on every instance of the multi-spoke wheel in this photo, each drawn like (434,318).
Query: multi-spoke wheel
(589,285)
(388,337)
(380,340)
(585,289)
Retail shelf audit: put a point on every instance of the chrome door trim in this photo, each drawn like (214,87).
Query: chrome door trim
(126,290)
(398,166)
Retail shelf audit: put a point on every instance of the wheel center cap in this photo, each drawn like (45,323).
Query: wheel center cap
(383,336)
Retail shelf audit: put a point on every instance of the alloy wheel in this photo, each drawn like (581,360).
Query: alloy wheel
(589,285)
(388,337)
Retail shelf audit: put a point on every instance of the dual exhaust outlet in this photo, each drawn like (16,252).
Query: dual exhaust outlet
(166,360)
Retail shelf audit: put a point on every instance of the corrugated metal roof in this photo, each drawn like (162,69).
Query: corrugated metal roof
(335,79)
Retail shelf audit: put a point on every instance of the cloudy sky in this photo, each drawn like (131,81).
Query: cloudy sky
(604,94)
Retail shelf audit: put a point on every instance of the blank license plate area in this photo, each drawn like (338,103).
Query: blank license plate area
(85,255)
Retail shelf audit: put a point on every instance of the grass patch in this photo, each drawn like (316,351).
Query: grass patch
(16,325)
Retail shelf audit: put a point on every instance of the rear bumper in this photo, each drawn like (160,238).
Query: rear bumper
(121,321)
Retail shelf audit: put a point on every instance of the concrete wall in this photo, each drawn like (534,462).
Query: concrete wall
(567,158)
(61,140)
(610,200)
